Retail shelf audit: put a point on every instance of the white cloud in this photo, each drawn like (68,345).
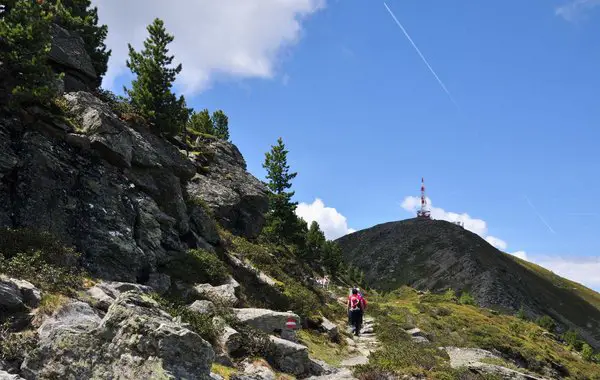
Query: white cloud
(496,242)
(520,254)
(213,38)
(574,8)
(478,226)
(332,223)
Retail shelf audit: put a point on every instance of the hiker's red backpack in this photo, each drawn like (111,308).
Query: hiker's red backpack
(355,302)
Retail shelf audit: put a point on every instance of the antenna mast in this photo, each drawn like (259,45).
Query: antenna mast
(423,212)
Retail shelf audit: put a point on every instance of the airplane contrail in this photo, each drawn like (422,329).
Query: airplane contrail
(421,54)
(539,215)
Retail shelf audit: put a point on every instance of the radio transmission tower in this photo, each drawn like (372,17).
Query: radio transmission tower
(423,212)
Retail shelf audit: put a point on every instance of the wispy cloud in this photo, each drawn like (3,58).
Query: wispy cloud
(575,8)
(420,54)
(539,215)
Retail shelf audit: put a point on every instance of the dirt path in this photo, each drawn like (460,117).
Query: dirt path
(362,345)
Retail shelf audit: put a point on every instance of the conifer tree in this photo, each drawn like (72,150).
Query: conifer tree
(200,122)
(80,17)
(220,123)
(315,242)
(332,258)
(282,224)
(151,90)
(24,46)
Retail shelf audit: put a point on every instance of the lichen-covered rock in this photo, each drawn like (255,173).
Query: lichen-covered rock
(230,340)
(237,199)
(202,307)
(160,282)
(7,376)
(269,321)
(292,358)
(104,293)
(330,328)
(255,370)
(222,295)
(17,295)
(134,340)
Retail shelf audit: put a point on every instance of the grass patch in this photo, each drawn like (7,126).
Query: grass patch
(51,302)
(320,347)
(448,323)
(223,371)
(41,259)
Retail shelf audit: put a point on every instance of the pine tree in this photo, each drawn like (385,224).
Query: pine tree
(151,91)
(282,224)
(220,123)
(315,242)
(24,47)
(80,17)
(332,258)
(200,122)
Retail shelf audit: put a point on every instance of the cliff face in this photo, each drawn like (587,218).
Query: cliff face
(123,196)
(437,255)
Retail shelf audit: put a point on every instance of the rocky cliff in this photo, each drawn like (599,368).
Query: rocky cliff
(123,196)
(437,255)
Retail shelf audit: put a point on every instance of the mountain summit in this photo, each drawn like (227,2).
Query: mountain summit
(436,255)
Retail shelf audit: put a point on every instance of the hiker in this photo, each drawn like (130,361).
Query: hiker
(355,310)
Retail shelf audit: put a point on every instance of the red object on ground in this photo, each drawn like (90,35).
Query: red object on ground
(291,323)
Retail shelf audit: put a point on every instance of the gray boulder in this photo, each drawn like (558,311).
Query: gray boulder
(237,199)
(18,295)
(330,328)
(269,321)
(223,295)
(291,358)
(230,340)
(203,307)
(105,293)
(7,376)
(134,340)
(68,55)
(255,370)
(160,282)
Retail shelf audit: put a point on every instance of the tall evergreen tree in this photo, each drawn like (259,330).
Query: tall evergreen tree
(151,90)
(200,122)
(24,46)
(282,223)
(79,16)
(315,242)
(221,125)
(332,258)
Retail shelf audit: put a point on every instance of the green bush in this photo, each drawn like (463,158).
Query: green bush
(521,313)
(546,322)
(587,352)
(572,339)
(197,266)
(15,346)
(40,259)
(450,295)
(467,299)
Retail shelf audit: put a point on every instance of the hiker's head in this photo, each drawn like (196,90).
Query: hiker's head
(354,291)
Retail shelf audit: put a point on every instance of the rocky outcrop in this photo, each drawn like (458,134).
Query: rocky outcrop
(68,55)
(268,321)
(105,293)
(237,199)
(223,295)
(202,307)
(471,358)
(7,376)
(17,295)
(114,190)
(134,340)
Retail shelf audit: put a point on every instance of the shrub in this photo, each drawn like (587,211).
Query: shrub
(521,313)
(546,322)
(450,295)
(197,266)
(572,339)
(587,352)
(15,346)
(467,299)
(40,259)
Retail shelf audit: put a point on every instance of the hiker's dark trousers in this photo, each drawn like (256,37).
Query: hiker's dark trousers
(356,318)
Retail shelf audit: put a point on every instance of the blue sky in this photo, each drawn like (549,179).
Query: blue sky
(364,119)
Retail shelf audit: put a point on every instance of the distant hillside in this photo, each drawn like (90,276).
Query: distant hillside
(437,255)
